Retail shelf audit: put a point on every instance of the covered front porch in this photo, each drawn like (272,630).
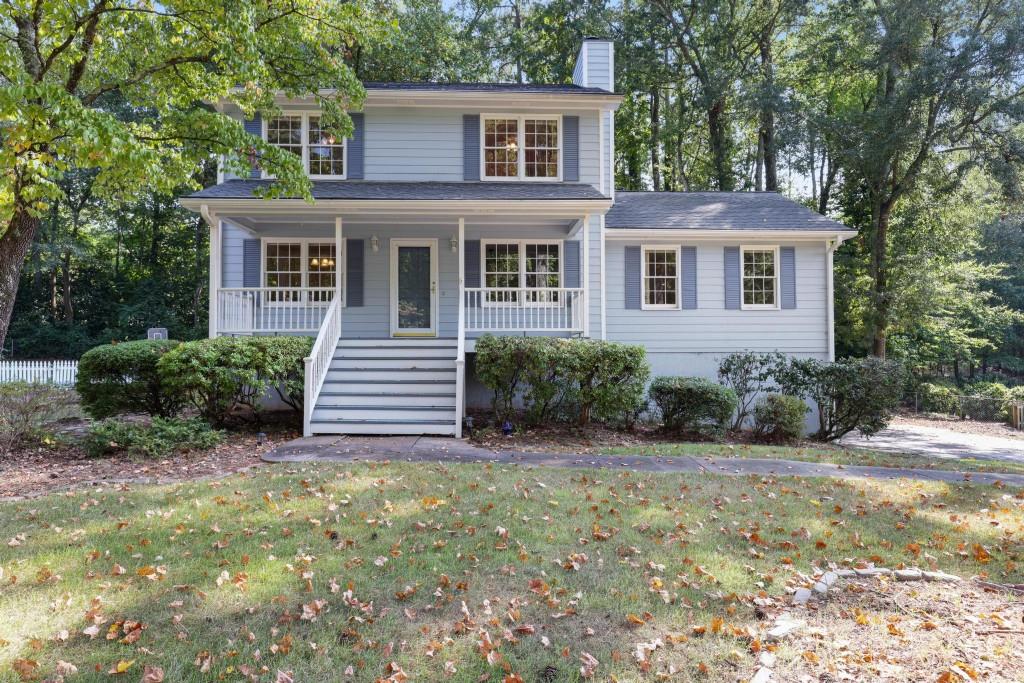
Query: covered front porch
(397,292)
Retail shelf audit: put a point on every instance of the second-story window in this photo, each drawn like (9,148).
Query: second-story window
(323,155)
(521,147)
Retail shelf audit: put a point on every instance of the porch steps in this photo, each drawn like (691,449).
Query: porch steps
(388,386)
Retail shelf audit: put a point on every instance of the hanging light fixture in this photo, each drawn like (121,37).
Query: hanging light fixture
(315,263)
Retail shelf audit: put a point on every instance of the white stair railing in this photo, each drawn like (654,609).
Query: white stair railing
(319,361)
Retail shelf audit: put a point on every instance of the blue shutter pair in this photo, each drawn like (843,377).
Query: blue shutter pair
(354,149)
(787,278)
(354,269)
(634,278)
(471,148)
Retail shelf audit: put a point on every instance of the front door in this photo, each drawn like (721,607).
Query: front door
(414,288)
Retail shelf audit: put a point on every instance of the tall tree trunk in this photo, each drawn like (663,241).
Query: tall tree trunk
(824,194)
(759,164)
(771,164)
(14,246)
(881,213)
(69,308)
(655,137)
(718,134)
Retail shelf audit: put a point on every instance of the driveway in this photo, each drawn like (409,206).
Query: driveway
(940,443)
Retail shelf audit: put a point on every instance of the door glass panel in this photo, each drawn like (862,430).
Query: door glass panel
(414,310)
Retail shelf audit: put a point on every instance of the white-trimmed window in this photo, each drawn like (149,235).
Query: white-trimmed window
(509,266)
(308,267)
(760,277)
(323,155)
(660,278)
(521,147)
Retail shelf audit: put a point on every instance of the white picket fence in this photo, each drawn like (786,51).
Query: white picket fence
(60,372)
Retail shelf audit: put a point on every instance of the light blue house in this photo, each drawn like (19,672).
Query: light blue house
(461,209)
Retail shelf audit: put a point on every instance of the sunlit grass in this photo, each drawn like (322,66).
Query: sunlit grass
(244,555)
(837,455)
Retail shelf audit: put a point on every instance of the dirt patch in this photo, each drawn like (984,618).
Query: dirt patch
(36,471)
(562,438)
(883,630)
(957,425)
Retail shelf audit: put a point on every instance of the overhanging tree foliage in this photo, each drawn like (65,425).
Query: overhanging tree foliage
(62,62)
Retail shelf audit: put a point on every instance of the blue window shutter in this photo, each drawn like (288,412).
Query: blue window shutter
(354,253)
(571,264)
(471,147)
(634,286)
(787,276)
(355,147)
(254,126)
(472,265)
(689,264)
(251,254)
(571,148)
(732,278)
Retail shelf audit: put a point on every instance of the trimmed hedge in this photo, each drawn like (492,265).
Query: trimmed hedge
(159,439)
(217,376)
(693,404)
(123,378)
(580,380)
(778,417)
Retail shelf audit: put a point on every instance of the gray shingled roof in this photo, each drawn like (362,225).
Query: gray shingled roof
(714,211)
(368,190)
(530,88)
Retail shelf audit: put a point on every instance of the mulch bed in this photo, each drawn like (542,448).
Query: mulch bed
(37,471)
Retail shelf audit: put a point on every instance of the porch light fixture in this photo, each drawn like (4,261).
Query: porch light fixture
(454,243)
(375,243)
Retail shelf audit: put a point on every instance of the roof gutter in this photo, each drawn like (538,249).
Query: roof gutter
(684,233)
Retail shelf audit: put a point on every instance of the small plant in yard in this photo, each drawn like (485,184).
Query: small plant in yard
(693,404)
(28,411)
(938,398)
(778,417)
(748,374)
(852,394)
(123,378)
(217,376)
(160,438)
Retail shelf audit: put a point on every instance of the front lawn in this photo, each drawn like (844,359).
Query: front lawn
(838,455)
(468,573)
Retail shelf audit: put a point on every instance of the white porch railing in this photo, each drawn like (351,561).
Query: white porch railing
(524,309)
(272,310)
(319,361)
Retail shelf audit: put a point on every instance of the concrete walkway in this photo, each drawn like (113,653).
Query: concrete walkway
(939,443)
(435,449)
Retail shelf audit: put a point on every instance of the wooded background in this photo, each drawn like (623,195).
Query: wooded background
(902,119)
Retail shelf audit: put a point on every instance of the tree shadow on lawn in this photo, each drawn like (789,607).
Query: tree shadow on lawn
(711,543)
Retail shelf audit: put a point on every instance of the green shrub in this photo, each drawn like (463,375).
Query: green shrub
(986,401)
(855,393)
(693,404)
(605,380)
(938,398)
(216,376)
(28,410)
(576,379)
(1017,394)
(159,439)
(749,375)
(123,378)
(778,417)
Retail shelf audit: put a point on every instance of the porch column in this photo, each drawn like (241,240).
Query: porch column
(460,353)
(339,246)
(215,265)
(585,257)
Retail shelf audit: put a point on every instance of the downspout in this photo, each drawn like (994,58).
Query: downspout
(830,304)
